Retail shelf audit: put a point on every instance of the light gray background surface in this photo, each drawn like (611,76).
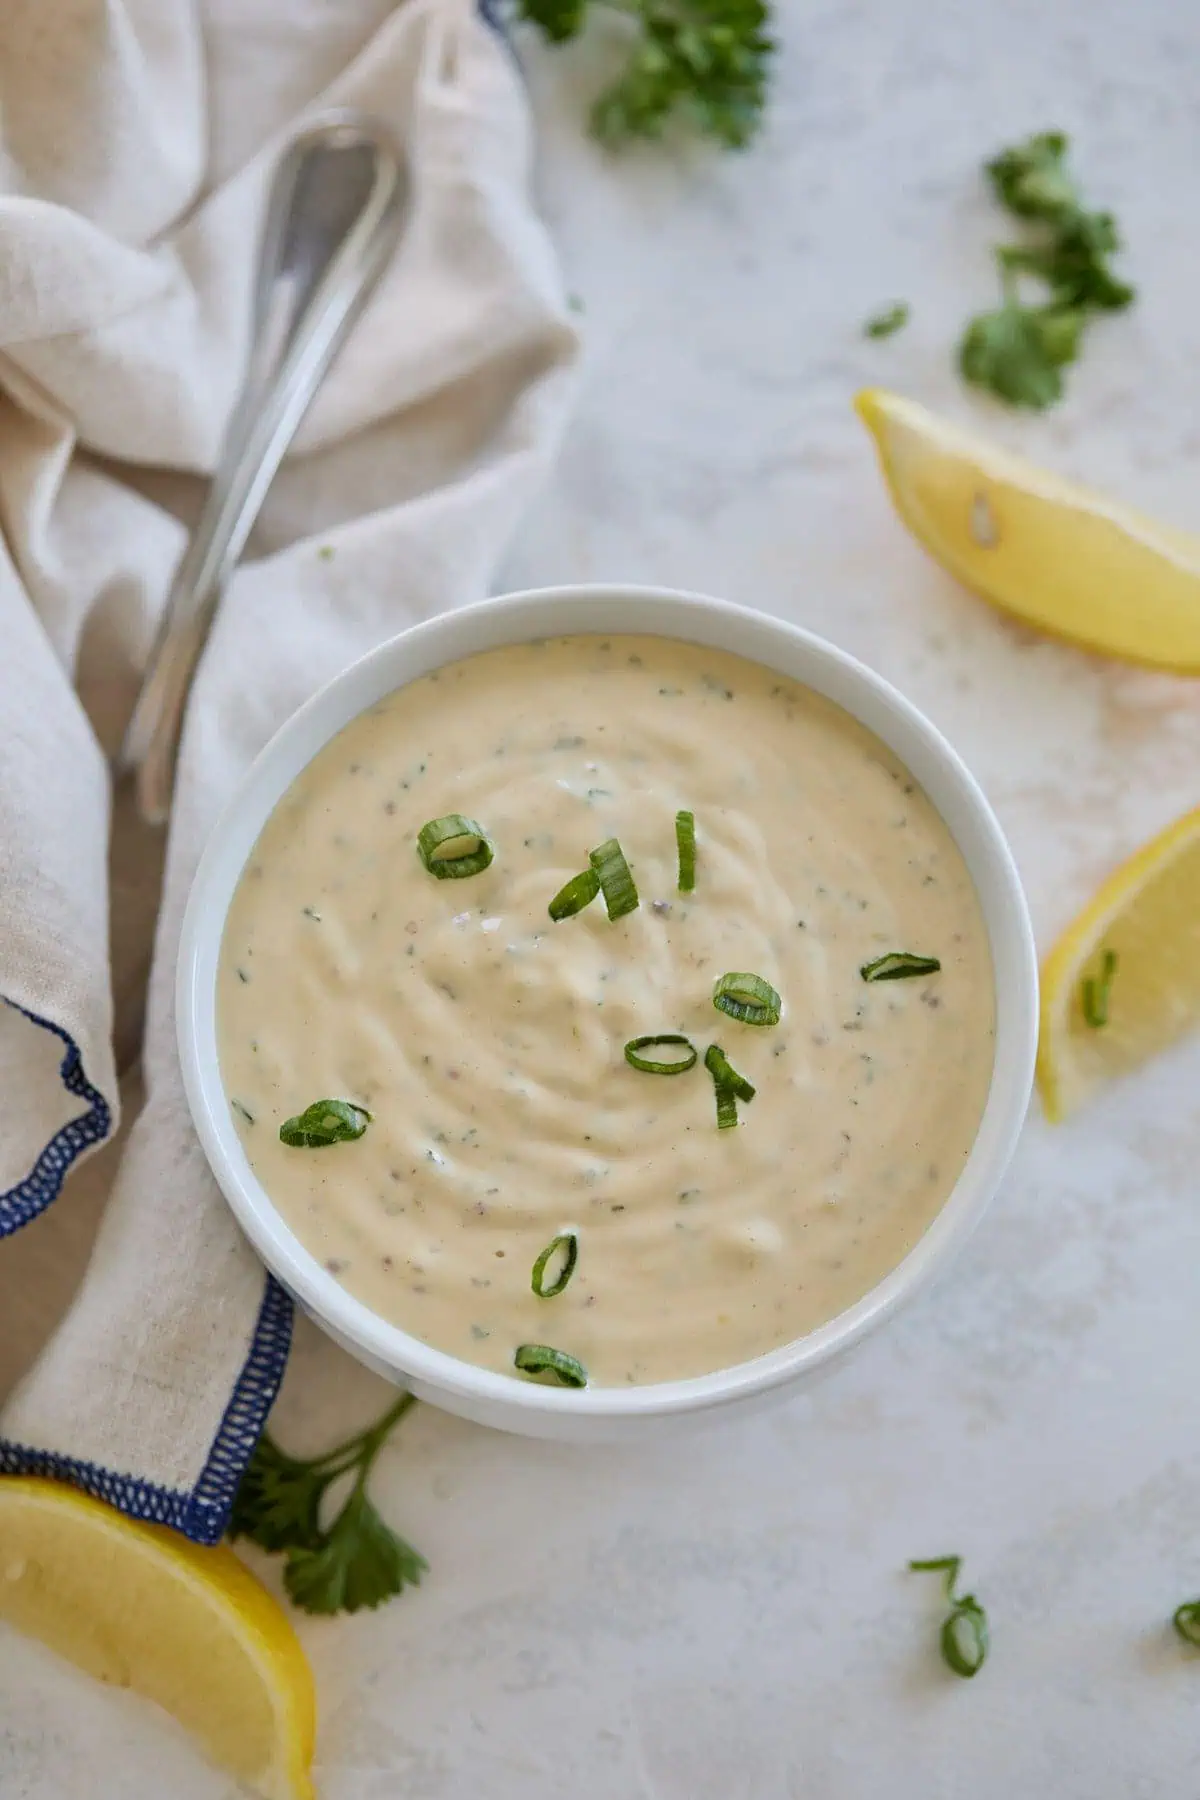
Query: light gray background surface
(726,1617)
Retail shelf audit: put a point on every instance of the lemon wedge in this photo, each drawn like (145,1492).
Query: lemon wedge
(1054,555)
(1123,981)
(142,1608)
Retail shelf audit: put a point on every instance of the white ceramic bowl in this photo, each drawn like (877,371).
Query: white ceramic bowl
(606,1413)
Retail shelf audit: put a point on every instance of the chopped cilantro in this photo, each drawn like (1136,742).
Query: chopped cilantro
(704,62)
(1018,352)
(885,324)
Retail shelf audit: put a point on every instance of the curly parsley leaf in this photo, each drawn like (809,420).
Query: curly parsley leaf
(1018,352)
(704,62)
(358,1560)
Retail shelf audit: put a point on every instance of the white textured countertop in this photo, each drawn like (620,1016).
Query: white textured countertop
(725,1616)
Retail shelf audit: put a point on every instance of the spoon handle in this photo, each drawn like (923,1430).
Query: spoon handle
(333,219)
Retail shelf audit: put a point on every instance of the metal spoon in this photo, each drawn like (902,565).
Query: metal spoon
(334,216)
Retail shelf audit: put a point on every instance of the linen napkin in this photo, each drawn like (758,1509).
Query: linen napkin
(137,139)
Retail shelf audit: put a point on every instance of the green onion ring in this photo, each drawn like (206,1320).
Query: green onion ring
(323,1123)
(964,1639)
(613,873)
(964,1634)
(748,998)
(648,1065)
(568,1241)
(725,1075)
(685,843)
(1186,1620)
(574,895)
(453,847)
(899,965)
(542,1359)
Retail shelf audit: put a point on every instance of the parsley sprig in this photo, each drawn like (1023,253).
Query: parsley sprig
(705,62)
(355,1561)
(1019,350)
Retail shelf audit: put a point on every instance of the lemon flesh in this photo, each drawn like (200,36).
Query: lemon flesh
(1054,555)
(190,1628)
(1148,915)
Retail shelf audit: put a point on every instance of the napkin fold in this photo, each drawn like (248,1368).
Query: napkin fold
(137,141)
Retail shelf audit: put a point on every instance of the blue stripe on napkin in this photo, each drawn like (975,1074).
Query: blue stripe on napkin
(202,1513)
(44,1181)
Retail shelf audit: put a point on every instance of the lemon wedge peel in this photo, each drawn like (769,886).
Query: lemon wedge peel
(1151,1002)
(1059,557)
(188,1627)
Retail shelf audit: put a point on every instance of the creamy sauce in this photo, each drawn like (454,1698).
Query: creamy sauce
(487,1041)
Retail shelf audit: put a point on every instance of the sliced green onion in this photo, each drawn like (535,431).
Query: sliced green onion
(542,1359)
(1186,1620)
(574,895)
(725,1075)
(1096,990)
(748,998)
(613,873)
(453,847)
(568,1243)
(728,1086)
(964,1638)
(964,1635)
(899,965)
(685,842)
(940,1565)
(650,1065)
(323,1123)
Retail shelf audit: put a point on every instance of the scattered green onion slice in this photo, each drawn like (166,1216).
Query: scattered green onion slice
(574,895)
(650,1065)
(541,1359)
(964,1638)
(1186,1620)
(725,1075)
(568,1243)
(899,965)
(685,840)
(323,1123)
(748,998)
(964,1635)
(453,847)
(726,1108)
(613,872)
(1096,990)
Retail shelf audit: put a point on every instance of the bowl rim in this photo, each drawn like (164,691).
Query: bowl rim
(695,618)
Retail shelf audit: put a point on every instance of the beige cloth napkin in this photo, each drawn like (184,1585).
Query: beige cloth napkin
(136,141)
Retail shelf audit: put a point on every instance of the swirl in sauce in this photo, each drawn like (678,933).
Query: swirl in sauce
(487,1042)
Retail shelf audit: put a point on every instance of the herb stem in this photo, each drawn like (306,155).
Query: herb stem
(365,1445)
